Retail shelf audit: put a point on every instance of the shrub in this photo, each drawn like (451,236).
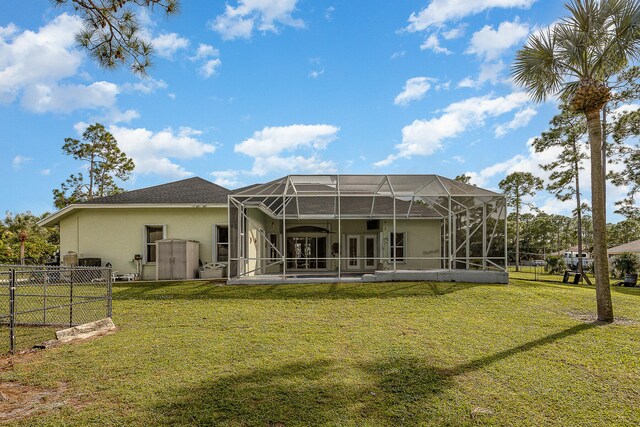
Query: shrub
(555,264)
(625,263)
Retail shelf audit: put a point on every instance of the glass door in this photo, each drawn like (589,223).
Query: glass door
(370,256)
(306,252)
(353,252)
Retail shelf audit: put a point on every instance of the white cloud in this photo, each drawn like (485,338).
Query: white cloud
(273,140)
(625,108)
(424,137)
(443,86)
(268,145)
(145,85)
(521,119)
(328,13)
(45,172)
(314,74)
(481,179)
(399,54)
(210,61)
(432,43)
(440,11)
(34,57)
(65,98)
(263,15)
(466,82)
(454,33)
(205,51)
(489,44)
(152,151)
(414,90)
(8,31)
(19,160)
(210,68)
(167,44)
(530,161)
(35,67)
(117,116)
(227,178)
(37,61)
(490,72)
(293,164)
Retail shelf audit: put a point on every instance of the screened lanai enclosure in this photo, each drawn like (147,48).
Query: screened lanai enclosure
(366,228)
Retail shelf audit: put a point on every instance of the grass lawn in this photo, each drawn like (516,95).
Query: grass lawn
(194,353)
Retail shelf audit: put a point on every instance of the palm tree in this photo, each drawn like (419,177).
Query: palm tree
(576,58)
(20,227)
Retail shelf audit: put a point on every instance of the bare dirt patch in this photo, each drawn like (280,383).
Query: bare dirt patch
(20,400)
(592,318)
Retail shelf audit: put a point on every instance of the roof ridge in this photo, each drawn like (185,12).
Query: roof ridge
(189,190)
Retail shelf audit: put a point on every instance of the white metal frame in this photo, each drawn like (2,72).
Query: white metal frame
(470,216)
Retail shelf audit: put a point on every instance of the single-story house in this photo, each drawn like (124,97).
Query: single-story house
(380,227)
(632,247)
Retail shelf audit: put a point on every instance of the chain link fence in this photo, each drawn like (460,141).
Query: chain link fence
(36,301)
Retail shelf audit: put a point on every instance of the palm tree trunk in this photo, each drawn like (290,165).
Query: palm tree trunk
(603,288)
(517,237)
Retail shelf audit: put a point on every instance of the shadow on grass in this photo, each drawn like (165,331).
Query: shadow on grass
(210,291)
(307,394)
(626,290)
(389,391)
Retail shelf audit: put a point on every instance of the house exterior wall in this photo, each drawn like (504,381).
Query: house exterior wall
(423,239)
(115,235)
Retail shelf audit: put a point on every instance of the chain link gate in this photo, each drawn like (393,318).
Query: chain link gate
(35,301)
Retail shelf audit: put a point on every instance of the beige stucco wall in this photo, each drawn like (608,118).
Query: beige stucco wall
(115,235)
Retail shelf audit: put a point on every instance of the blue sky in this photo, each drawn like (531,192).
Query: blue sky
(250,90)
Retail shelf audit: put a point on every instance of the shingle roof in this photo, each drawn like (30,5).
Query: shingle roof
(627,247)
(191,190)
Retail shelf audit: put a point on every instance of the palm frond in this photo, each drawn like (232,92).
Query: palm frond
(536,66)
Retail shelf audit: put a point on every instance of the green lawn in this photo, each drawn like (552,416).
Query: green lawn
(388,354)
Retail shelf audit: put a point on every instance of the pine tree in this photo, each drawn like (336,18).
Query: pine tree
(105,164)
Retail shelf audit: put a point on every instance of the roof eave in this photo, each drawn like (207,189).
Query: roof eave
(67,210)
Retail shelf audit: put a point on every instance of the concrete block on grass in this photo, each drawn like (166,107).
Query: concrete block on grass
(86,331)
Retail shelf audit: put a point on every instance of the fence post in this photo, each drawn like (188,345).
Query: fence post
(71,298)
(46,279)
(12,310)
(109,294)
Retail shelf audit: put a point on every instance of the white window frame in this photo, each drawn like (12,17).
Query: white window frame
(214,241)
(393,247)
(145,244)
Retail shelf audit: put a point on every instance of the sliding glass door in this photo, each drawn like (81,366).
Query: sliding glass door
(306,252)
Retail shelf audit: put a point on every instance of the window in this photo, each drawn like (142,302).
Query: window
(153,233)
(220,243)
(398,246)
(272,246)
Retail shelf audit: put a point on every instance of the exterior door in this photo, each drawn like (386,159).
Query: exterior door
(353,252)
(370,255)
(307,252)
